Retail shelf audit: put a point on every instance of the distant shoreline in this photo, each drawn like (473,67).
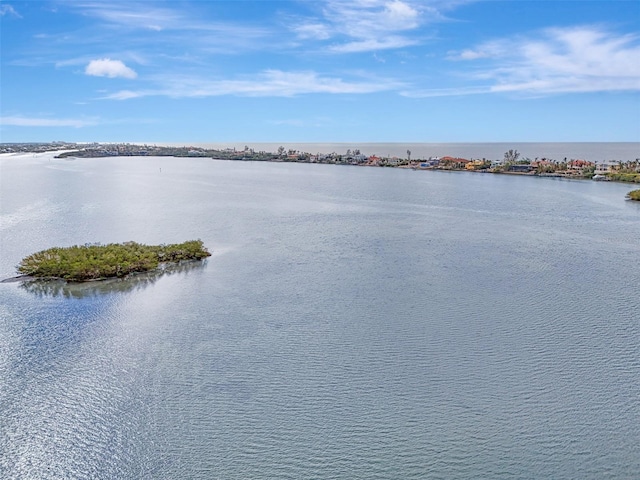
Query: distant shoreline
(592,151)
(512,162)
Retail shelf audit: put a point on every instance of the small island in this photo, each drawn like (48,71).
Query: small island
(634,195)
(81,263)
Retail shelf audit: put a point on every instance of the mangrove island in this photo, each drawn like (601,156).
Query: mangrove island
(634,195)
(81,263)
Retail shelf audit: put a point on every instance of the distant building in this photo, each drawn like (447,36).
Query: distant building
(521,168)
(453,162)
(606,167)
(579,164)
(431,163)
(541,163)
(475,165)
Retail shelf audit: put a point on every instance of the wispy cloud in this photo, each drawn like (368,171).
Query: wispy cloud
(317,31)
(20,121)
(374,44)
(493,49)
(367,25)
(365,18)
(269,83)
(174,28)
(124,56)
(578,59)
(8,10)
(136,15)
(446,92)
(105,67)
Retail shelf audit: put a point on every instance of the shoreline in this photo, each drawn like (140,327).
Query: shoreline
(163,268)
(511,164)
(592,151)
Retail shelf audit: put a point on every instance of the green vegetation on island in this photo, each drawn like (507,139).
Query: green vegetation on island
(634,195)
(81,263)
(624,176)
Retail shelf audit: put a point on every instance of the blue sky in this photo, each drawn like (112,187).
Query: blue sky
(320,71)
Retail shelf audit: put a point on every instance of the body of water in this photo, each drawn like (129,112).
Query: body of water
(352,323)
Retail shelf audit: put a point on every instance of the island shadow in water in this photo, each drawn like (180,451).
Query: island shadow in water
(62,288)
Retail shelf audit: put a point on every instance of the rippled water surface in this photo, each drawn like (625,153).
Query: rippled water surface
(353,323)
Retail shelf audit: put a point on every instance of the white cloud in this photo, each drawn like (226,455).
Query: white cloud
(486,50)
(105,67)
(470,55)
(400,15)
(269,83)
(126,95)
(19,121)
(8,10)
(369,18)
(136,15)
(366,25)
(126,56)
(316,31)
(579,59)
(373,44)
(183,28)
(446,92)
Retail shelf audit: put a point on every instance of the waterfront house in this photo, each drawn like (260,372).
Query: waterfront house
(453,162)
(542,163)
(518,168)
(606,167)
(430,163)
(476,165)
(579,165)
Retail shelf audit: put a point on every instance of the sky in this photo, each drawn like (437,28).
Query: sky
(320,71)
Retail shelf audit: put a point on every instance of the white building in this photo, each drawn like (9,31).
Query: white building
(606,167)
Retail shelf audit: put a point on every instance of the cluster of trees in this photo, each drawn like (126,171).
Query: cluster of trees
(546,165)
(511,156)
(632,166)
(627,172)
(624,177)
(93,261)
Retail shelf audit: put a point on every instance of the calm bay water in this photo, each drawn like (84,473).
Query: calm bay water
(352,323)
